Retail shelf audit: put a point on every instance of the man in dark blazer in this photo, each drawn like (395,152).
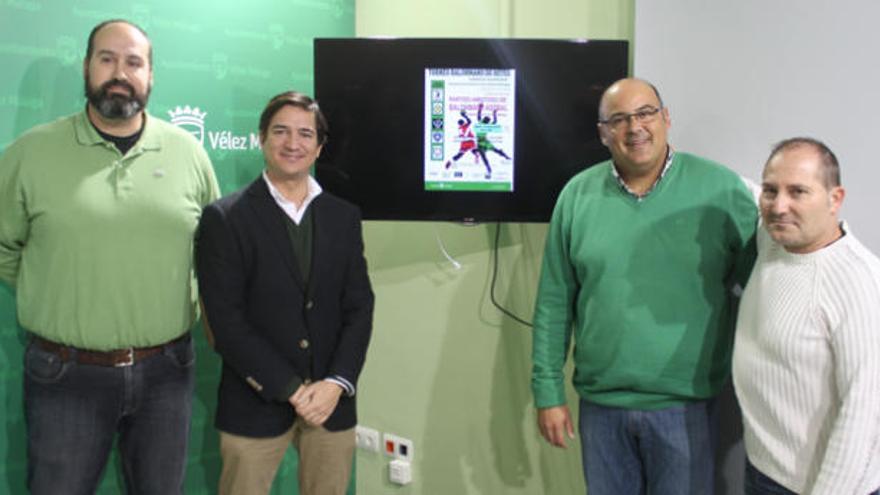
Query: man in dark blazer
(288,301)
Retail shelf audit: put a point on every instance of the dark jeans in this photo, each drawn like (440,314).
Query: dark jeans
(758,483)
(662,452)
(74,412)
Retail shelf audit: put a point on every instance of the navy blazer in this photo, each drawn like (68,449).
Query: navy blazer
(269,328)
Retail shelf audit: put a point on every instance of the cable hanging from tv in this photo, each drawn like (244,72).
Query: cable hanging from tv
(494,278)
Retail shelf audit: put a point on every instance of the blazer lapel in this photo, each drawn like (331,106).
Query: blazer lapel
(271,218)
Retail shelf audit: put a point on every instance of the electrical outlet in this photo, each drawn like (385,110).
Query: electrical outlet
(389,444)
(366,438)
(404,449)
(397,447)
(400,472)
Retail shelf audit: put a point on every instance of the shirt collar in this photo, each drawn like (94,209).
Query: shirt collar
(290,209)
(87,134)
(670,153)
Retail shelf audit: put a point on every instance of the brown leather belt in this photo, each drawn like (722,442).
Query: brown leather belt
(116,357)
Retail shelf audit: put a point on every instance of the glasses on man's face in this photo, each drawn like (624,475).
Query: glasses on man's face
(644,115)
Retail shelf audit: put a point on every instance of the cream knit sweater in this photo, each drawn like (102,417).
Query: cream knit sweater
(806,367)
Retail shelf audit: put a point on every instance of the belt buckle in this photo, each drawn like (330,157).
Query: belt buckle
(129,359)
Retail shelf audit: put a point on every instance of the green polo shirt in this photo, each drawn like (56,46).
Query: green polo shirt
(99,245)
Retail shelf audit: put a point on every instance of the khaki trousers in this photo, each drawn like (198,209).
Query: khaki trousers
(325,458)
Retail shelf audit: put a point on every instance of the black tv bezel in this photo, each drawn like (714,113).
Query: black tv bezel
(348,69)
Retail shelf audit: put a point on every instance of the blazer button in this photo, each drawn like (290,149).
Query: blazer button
(304,344)
(310,304)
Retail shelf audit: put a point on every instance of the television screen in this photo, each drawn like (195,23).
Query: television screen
(465,130)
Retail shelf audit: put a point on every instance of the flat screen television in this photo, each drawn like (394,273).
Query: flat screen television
(469,130)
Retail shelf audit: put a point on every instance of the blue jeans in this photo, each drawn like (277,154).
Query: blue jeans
(74,411)
(758,483)
(661,452)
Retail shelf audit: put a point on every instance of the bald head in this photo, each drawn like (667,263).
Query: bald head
(800,199)
(633,124)
(623,86)
(118,77)
(829,167)
(90,47)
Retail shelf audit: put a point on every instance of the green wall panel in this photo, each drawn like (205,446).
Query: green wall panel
(224,58)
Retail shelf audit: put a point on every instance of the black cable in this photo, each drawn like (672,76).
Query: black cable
(495,276)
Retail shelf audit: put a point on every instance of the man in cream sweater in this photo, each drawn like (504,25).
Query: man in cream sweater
(806,361)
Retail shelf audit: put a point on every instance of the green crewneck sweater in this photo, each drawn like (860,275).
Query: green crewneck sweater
(642,286)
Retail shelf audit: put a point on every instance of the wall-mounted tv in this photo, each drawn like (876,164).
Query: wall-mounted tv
(466,130)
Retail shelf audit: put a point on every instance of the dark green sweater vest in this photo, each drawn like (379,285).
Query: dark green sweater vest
(301,243)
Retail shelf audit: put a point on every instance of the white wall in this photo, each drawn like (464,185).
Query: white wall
(739,76)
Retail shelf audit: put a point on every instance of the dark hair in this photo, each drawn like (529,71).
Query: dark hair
(830,166)
(91,44)
(298,100)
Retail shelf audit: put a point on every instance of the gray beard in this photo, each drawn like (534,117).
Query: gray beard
(117,107)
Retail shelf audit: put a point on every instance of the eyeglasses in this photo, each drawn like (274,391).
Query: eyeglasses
(644,115)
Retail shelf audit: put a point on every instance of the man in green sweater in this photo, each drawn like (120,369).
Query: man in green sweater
(641,256)
(97,214)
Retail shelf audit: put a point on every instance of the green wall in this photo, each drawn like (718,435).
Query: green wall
(445,368)
(224,57)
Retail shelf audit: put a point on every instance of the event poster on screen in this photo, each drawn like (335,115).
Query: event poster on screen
(469,129)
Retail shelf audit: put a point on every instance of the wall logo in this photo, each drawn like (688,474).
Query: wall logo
(276,34)
(220,65)
(192,120)
(67,49)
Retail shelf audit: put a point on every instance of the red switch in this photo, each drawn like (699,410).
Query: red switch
(389,446)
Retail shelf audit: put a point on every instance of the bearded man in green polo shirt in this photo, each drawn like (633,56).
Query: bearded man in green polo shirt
(97,214)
